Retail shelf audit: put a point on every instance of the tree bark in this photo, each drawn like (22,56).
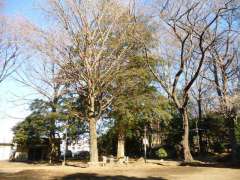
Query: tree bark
(121,146)
(54,150)
(53,155)
(93,140)
(185,141)
(93,130)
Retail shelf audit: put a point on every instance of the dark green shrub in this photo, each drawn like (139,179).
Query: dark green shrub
(238,153)
(218,147)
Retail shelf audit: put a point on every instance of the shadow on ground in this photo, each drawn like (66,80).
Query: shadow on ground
(37,163)
(200,163)
(24,175)
(212,164)
(87,176)
(29,175)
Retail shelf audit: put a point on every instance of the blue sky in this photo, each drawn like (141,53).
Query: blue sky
(27,8)
(13,103)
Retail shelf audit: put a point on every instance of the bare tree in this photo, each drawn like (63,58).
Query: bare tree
(41,76)
(90,42)
(225,69)
(9,50)
(186,24)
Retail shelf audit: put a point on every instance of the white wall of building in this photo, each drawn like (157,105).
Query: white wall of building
(5,152)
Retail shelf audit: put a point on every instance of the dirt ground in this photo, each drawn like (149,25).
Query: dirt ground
(136,171)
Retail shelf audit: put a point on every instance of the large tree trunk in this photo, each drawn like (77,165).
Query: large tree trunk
(93,131)
(53,154)
(93,140)
(54,150)
(185,141)
(121,146)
